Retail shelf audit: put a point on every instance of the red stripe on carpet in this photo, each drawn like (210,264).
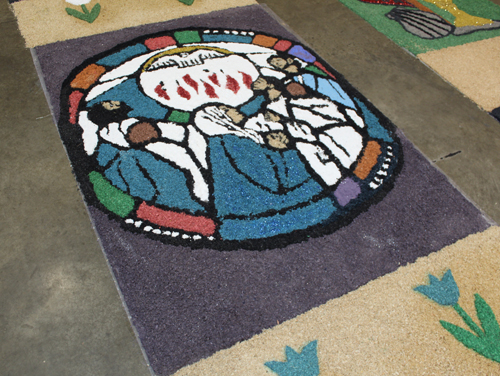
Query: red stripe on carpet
(179,221)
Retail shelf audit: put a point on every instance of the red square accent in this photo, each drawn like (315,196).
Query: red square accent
(282,45)
(160,42)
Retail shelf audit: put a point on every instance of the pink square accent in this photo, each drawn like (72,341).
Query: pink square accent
(160,42)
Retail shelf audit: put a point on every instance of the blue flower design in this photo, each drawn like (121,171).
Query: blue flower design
(303,364)
(444,292)
(484,339)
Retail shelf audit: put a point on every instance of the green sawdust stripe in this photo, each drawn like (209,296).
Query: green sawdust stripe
(112,198)
(375,15)
(384,327)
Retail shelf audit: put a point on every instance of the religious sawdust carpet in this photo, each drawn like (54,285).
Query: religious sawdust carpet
(248,199)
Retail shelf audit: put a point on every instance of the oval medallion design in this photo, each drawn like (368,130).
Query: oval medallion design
(225,139)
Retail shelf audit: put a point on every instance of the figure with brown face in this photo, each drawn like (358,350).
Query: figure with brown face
(321,130)
(299,82)
(285,64)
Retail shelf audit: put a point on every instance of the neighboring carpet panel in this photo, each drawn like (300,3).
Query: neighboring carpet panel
(472,68)
(384,327)
(425,25)
(459,39)
(235,180)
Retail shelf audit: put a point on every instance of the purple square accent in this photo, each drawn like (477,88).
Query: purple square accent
(347,191)
(301,53)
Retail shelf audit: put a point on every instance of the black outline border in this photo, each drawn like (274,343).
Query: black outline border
(81,166)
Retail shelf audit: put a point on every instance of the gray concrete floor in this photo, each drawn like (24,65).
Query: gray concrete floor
(60,313)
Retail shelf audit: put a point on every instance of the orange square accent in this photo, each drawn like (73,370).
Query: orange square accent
(264,40)
(87,76)
(369,160)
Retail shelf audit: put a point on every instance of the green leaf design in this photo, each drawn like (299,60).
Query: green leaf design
(487,340)
(467,338)
(85,15)
(94,13)
(467,319)
(77,14)
(487,318)
(187,2)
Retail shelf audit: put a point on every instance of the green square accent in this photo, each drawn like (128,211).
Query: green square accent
(188,36)
(179,116)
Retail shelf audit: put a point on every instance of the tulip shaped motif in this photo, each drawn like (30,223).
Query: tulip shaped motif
(304,363)
(444,292)
(484,339)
